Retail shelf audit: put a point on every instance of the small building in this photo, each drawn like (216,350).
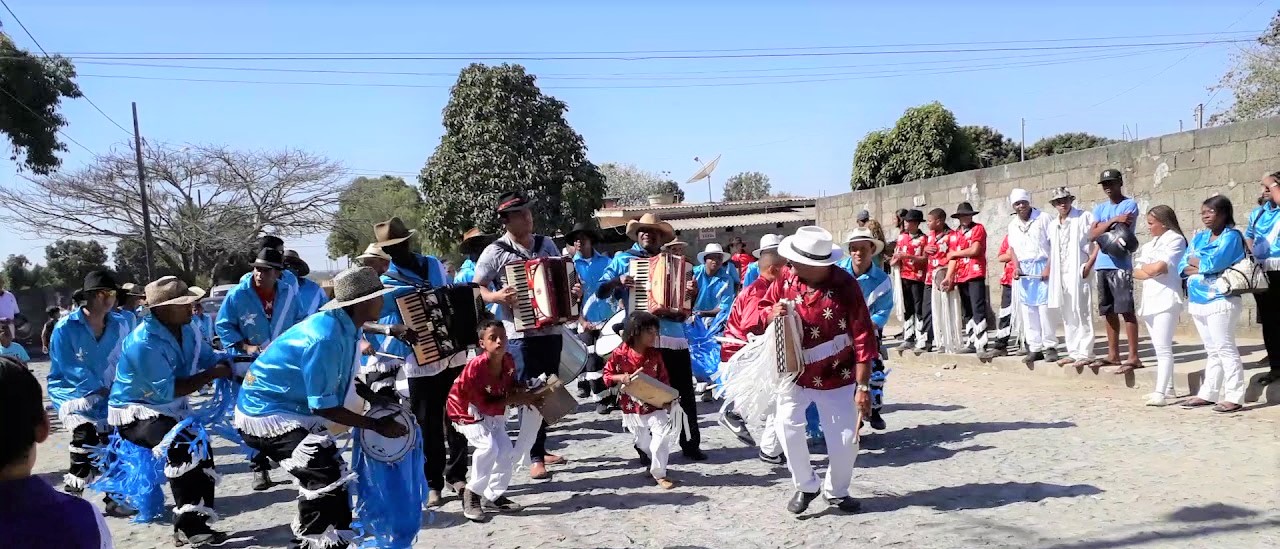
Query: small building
(700,224)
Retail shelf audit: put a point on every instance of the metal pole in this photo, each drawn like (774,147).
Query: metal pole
(142,189)
(709,200)
(1024,140)
(1200,116)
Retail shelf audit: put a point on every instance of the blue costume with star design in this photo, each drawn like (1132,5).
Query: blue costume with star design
(241,318)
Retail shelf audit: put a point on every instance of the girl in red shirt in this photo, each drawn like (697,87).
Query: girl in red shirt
(649,425)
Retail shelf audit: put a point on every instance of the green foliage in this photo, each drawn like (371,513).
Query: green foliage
(1254,80)
(991,146)
(31,90)
(503,134)
(365,203)
(20,274)
(1065,143)
(70,260)
(746,186)
(925,142)
(632,186)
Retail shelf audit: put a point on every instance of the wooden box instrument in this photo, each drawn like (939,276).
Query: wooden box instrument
(660,281)
(543,292)
(557,403)
(649,390)
(444,319)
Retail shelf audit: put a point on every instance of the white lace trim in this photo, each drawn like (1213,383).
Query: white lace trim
(275,425)
(1215,307)
(347,477)
(828,349)
(198,509)
(175,471)
(178,409)
(306,450)
(75,482)
(329,539)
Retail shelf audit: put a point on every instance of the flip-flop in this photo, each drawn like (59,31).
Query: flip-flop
(1195,402)
(1227,408)
(1128,367)
(1083,363)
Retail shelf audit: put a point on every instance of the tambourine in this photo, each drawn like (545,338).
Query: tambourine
(389,450)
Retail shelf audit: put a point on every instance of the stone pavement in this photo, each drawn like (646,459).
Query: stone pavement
(971,459)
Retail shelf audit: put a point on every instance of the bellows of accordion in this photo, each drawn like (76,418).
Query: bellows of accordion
(660,282)
(444,318)
(543,292)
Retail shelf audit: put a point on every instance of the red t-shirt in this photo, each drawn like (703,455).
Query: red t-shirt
(909,245)
(626,360)
(748,316)
(742,260)
(973,268)
(838,332)
(946,242)
(1006,279)
(268,297)
(476,387)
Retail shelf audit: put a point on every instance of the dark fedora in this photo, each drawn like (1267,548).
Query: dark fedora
(269,258)
(95,281)
(914,215)
(269,241)
(474,241)
(582,228)
(295,263)
(511,202)
(964,208)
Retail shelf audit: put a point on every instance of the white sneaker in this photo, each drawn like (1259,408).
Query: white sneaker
(1156,399)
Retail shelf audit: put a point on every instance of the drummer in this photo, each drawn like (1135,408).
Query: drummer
(299,385)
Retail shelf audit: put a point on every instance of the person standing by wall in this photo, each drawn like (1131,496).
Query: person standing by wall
(1115,272)
(908,257)
(1155,265)
(8,310)
(1029,242)
(1213,250)
(971,278)
(1070,264)
(1263,238)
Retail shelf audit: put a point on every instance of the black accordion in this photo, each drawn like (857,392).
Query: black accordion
(444,318)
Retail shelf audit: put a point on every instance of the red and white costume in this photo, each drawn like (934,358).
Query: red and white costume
(650,426)
(748,317)
(477,408)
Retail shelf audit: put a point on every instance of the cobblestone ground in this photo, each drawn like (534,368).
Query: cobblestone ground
(970,459)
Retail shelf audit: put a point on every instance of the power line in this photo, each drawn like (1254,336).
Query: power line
(46,54)
(1233,23)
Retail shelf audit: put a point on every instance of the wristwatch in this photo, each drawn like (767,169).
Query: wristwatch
(864,388)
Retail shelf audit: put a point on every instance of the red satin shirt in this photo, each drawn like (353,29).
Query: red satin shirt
(946,242)
(908,245)
(749,315)
(476,387)
(626,360)
(973,268)
(838,332)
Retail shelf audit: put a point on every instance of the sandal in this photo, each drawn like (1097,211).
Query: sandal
(1066,361)
(1195,402)
(1128,367)
(1083,363)
(1227,407)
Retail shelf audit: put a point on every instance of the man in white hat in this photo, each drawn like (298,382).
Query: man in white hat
(650,233)
(1070,266)
(376,259)
(298,386)
(161,362)
(1029,243)
(839,343)
(877,292)
(716,289)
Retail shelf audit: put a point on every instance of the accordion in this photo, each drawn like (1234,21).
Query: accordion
(787,332)
(444,318)
(543,292)
(660,282)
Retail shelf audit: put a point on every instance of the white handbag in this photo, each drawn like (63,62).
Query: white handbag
(1245,277)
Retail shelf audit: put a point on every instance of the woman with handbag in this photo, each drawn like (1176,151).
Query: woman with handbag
(1155,265)
(1214,250)
(1263,237)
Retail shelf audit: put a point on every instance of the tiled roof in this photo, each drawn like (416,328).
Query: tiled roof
(801,215)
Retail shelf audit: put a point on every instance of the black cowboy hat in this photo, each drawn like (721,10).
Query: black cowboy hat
(268,241)
(582,228)
(914,215)
(94,281)
(964,208)
(269,258)
(295,263)
(511,201)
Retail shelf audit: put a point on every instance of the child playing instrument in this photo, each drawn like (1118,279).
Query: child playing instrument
(649,425)
(477,407)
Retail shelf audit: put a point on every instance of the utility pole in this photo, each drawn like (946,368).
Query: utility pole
(142,188)
(1023,156)
(1200,116)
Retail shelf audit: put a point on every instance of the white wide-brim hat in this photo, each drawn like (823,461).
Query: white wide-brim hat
(864,235)
(713,249)
(810,246)
(768,242)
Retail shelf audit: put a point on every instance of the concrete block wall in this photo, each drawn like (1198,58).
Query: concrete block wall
(1179,170)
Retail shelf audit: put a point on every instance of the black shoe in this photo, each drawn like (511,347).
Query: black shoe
(733,422)
(1051,355)
(583,392)
(876,421)
(694,454)
(201,538)
(501,505)
(846,504)
(780,459)
(261,481)
(967,351)
(1269,378)
(471,506)
(1031,358)
(800,501)
(113,509)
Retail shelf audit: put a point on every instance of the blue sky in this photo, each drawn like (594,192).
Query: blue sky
(802,134)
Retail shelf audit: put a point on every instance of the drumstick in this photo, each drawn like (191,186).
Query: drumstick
(387,355)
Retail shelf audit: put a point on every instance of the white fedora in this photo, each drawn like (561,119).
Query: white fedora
(713,249)
(864,235)
(810,246)
(768,242)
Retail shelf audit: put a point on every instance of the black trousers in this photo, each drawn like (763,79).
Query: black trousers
(680,370)
(541,356)
(444,448)
(913,303)
(193,487)
(1269,315)
(1004,320)
(592,376)
(83,437)
(926,319)
(316,466)
(973,303)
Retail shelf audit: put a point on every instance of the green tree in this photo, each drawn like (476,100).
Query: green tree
(991,146)
(1066,142)
(503,134)
(925,142)
(20,274)
(366,202)
(746,186)
(1253,80)
(632,186)
(31,90)
(70,260)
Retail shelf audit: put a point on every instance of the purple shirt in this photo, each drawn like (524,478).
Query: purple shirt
(40,516)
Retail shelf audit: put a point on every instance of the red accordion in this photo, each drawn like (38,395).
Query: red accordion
(661,281)
(543,292)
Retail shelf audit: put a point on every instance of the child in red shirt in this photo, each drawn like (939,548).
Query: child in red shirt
(649,425)
(477,407)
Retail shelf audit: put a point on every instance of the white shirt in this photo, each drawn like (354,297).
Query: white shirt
(8,305)
(1029,239)
(1164,292)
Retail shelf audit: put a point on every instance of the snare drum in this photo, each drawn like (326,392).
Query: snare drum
(610,335)
(573,356)
(389,450)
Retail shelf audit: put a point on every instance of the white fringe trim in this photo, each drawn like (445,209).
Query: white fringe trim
(178,409)
(305,451)
(330,539)
(75,482)
(1215,307)
(175,471)
(673,343)
(827,349)
(71,413)
(1271,264)
(347,477)
(79,450)
(380,365)
(275,425)
(198,509)
(215,476)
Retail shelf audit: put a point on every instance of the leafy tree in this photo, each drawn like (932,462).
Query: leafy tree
(31,90)
(925,142)
(632,186)
(70,260)
(1254,80)
(366,202)
(746,186)
(503,134)
(991,146)
(20,274)
(1065,143)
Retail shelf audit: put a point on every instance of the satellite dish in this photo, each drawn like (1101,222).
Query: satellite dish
(706,170)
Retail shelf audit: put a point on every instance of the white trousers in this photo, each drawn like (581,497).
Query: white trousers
(1038,331)
(838,416)
(1077,322)
(496,456)
(1160,328)
(1223,370)
(650,431)
(770,444)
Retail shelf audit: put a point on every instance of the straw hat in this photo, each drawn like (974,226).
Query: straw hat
(651,222)
(810,246)
(171,290)
(353,286)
